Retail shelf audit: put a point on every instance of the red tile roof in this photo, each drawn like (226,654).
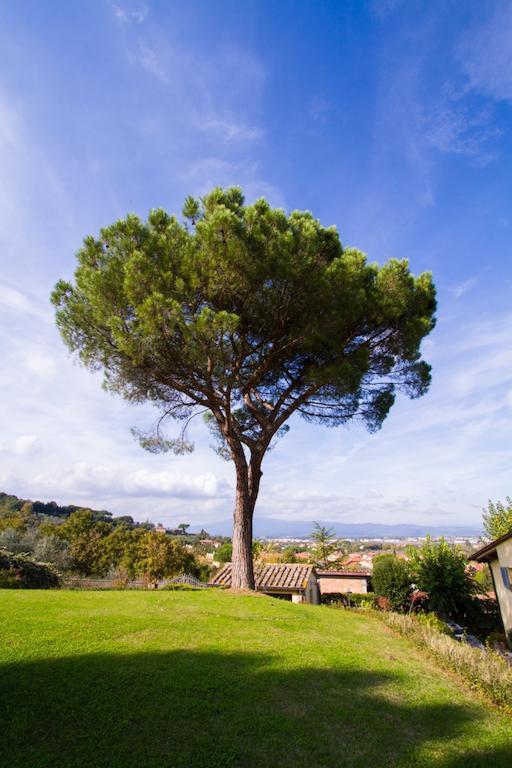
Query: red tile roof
(272,576)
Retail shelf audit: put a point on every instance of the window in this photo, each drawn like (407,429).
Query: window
(505,575)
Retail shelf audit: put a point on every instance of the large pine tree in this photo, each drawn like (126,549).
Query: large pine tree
(251,316)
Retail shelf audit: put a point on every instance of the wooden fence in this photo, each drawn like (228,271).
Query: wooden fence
(86,583)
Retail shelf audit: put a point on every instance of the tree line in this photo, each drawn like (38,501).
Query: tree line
(86,544)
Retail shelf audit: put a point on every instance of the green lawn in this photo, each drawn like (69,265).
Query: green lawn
(148,679)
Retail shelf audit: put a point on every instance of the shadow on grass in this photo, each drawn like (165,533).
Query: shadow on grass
(207,710)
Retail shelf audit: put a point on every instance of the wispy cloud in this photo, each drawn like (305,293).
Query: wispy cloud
(13,300)
(462,288)
(208,172)
(383,8)
(230,131)
(485,53)
(39,362)
(129,16)
(151,60)
(319,109)
(441,457)
(457,129)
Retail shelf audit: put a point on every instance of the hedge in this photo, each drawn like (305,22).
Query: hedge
(21,572)
(483,669)
(350,600)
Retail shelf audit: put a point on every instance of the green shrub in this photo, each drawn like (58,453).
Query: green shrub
(21,572)
(440,570)
(496,638)
(352,600)
(483,669)
(182,588)
(224,553)
(434,622)
(368,603)
(392,580)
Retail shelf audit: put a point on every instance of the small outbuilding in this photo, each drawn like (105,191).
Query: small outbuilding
(297,583)
(498,554)
(342,582)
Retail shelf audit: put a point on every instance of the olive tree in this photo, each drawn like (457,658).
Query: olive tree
(250,316)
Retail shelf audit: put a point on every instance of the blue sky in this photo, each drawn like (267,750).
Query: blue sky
(389,119)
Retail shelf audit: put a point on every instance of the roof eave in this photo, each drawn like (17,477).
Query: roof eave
(483,555)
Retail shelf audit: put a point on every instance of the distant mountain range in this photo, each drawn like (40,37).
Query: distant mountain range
(268,527)
(263,526)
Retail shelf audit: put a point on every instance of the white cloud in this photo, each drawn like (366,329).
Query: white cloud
(209,172)
(127,16)
(13,300)
(230,131)
(454,128)
(382,8)
(40,363)
(23,445)
(35,209)
(150,60)
(485,53)
(87,479)
(10,298)
(464,287)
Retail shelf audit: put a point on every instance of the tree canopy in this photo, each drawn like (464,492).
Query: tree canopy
(324,542)
(248,315)
(392,579)
(498,518)
(440,570)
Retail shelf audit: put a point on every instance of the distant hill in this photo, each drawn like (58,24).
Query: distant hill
(263,526)
(9,504)
(268,527)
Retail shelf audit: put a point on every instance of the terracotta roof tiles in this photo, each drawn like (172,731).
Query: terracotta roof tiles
(273,576)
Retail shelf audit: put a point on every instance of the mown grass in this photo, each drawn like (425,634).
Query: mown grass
(208,679)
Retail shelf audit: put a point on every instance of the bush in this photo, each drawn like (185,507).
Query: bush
(182,588)
(498,518)
(434,622)
(482,616)
(21,572)
(224,553)
(383,603)
(352,600)
(496,639)
(392,580)
(485,670)
(440,570)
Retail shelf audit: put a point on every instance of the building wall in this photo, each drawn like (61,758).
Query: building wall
(312,594)
(335,584)
(504,592)
(505,553)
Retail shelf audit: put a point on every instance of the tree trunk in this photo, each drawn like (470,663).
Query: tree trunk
(242,567)
(247,486)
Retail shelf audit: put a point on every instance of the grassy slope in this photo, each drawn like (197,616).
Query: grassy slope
(210,679)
